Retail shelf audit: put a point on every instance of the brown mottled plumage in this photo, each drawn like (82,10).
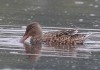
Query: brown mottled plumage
(69,36)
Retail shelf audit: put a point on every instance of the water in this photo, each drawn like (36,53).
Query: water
(15,55)
(53,15)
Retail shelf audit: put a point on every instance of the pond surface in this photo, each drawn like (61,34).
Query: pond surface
(15,55)
(53,15)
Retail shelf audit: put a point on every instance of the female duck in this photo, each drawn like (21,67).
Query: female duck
(69,36)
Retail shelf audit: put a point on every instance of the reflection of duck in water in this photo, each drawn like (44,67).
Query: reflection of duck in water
(69,36)
(33,51)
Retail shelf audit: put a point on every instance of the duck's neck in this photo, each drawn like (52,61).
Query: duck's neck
(36,39)
(37,36)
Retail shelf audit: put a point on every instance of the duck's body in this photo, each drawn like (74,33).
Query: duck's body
(63,36)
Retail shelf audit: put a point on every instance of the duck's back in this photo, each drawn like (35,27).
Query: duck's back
(62,36)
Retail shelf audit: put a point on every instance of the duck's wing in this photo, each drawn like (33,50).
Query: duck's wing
(80,38)
(60,33)
(69,32)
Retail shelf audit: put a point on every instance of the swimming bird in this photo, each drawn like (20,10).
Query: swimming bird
(68,36)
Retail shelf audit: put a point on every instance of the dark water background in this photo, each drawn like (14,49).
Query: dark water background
(82,14)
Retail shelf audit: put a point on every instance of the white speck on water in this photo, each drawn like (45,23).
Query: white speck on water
(14,52)
(7,4)
(28,8)
(96,0)
(96,6)
(95,67)
(36,8)
(92,15)
(0,19)
(90,4)
(9,22)
(18,60)
(73,66)
(65,11)
(23,26)
(96,21)
(79,2)
(25,10)
(28,19)
(71,23)
(31,16)
(80,20)
(95,25)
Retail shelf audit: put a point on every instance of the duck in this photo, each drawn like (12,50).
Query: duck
(68,36)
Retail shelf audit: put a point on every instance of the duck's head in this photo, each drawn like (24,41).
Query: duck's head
(34,30)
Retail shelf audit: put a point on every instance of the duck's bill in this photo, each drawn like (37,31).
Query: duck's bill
(24,38)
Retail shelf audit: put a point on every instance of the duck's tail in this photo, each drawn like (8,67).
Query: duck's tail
(80,38)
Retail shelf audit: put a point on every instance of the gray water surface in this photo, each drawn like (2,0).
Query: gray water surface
(15,55)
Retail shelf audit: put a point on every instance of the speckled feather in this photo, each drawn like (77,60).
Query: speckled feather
(64,37)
